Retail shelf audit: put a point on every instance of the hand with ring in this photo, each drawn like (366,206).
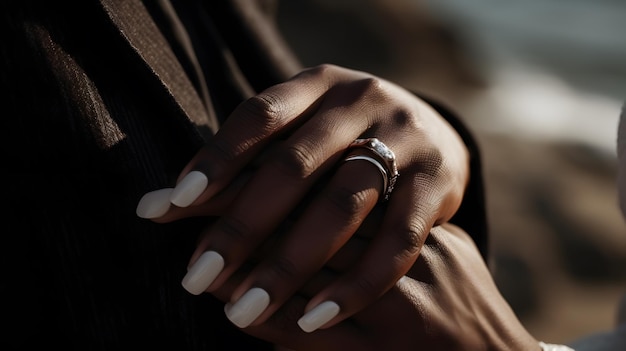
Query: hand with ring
(318,152)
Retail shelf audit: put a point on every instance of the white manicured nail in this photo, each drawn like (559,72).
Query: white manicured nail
(248,308)
(188,190)
(154,204)
(203,272)
(318,316)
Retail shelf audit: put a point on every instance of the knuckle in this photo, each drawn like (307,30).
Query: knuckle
(224,150)
(317,72)
(321,70)
(283,268)
(296,160)
(373,84)
(349,203)
(370,88)
(410,238)
(366,286)
(234,229)
(265,111)
(407,119)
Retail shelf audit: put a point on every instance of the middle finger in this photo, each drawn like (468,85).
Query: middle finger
(324,227)
(276,189)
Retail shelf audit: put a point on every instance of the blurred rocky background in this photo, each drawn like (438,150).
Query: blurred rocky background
(541,82)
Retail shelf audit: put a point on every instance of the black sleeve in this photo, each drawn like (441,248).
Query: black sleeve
(472,214)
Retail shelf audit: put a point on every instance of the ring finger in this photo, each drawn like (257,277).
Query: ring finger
(324,227)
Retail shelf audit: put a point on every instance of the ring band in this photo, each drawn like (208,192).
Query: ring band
(383,158)
(375,162)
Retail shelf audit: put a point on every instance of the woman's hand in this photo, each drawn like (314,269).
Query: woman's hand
(447,301)
(278,159)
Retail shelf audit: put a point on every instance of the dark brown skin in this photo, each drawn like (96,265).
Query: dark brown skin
(270,154)
(448,301)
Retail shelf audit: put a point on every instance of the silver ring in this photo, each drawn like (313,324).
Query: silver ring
(384,159)
(375,162)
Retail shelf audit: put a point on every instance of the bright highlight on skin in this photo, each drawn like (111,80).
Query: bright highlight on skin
(189,189)
(318,316)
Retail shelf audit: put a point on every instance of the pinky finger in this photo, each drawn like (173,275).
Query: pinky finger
(389,256)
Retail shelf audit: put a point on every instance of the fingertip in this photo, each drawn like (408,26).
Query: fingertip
(154,204)
(248,307)
(318,316)
(203,272)
(189,189)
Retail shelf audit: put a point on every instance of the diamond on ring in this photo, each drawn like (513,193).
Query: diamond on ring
(382,149)
(383,158)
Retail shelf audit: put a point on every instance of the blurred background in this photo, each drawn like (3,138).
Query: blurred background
(541,83)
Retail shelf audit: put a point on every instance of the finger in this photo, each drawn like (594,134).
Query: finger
(372,222)
(285,178)
(339,263)
(251,126)
(282,329)
(156,205)
(280,184)
(258,211)
(326,225)
(411,212)
(215,206)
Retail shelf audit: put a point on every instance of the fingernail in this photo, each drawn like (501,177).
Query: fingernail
(203,272)
(188,190)
(250,306)
(154,204)
(318,316)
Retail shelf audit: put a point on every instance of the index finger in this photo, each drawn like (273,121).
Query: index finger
(248,130)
